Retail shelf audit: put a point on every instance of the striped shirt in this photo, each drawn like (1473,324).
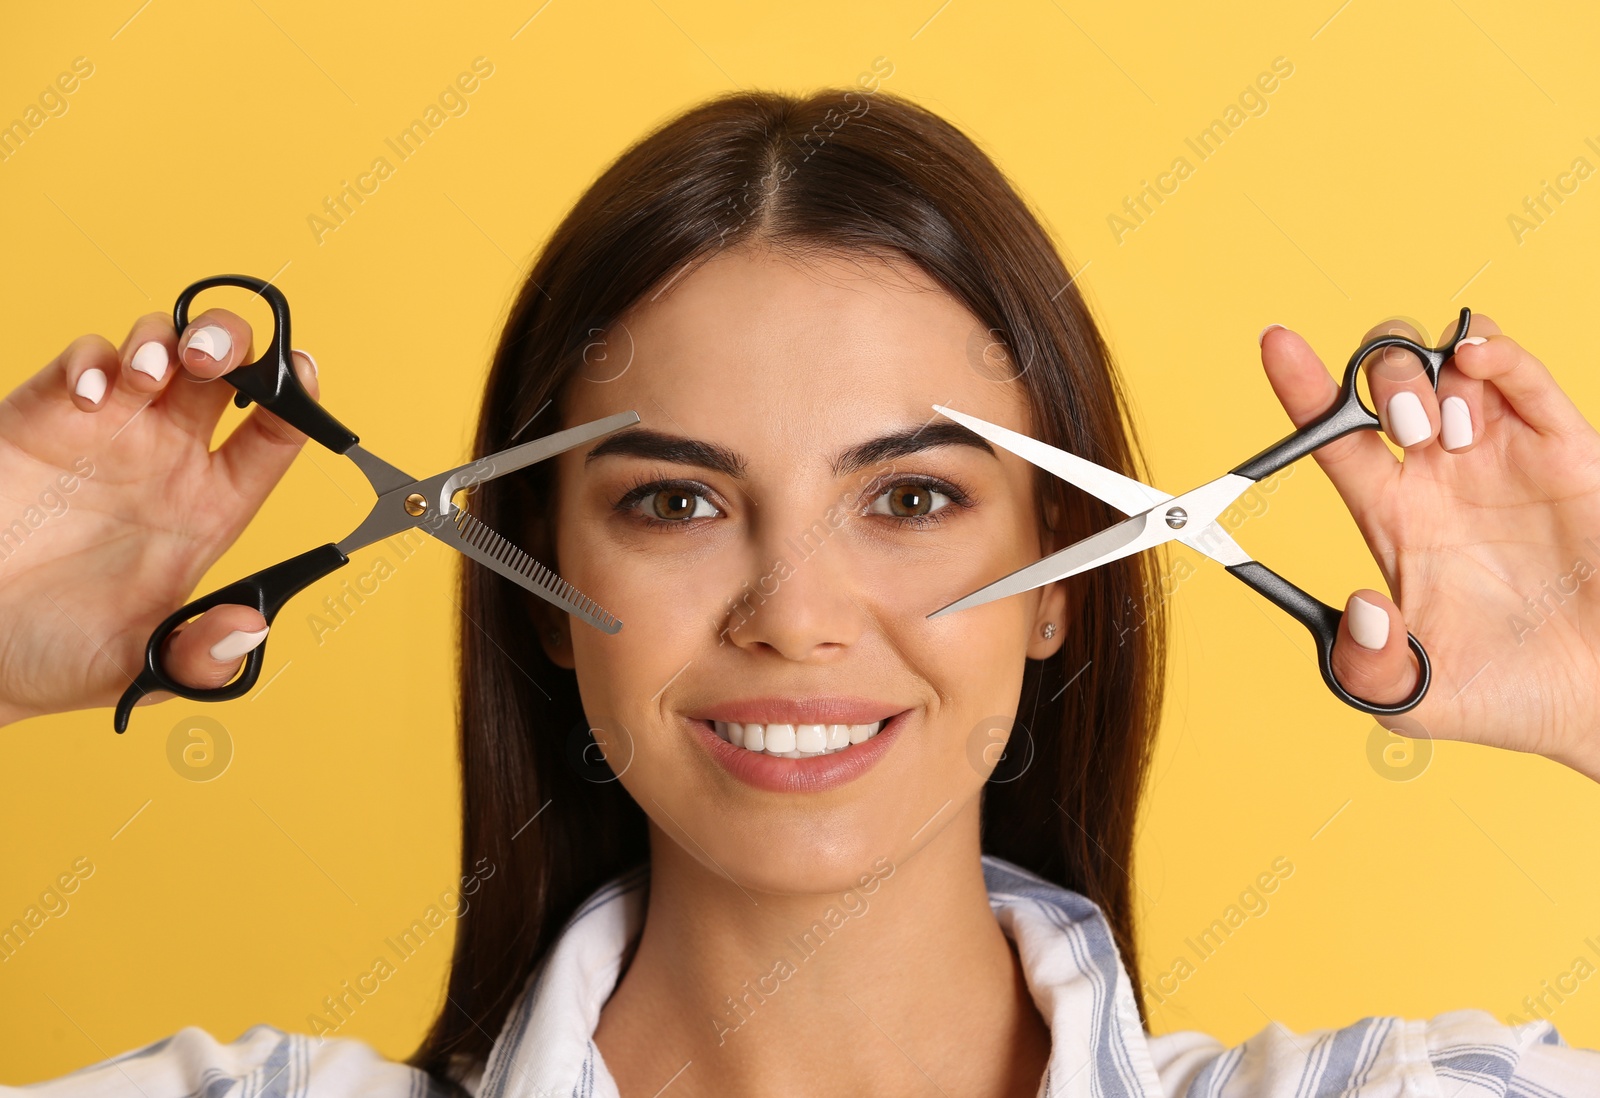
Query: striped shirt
(1098,1047)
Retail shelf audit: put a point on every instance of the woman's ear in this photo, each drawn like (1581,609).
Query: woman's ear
(1059,602)
(551,622)
(1057,609)
(1052,515)
(553,636)
(1056,601)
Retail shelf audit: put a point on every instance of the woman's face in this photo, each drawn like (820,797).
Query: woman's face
(789,557)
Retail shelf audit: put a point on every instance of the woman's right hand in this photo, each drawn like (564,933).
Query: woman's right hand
(113,506)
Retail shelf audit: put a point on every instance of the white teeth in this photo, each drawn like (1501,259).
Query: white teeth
(780,738)
(803,741)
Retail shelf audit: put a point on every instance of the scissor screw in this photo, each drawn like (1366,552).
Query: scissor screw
(416,504)
(1177,517)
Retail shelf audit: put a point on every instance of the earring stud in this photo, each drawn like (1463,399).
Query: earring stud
(1048,630)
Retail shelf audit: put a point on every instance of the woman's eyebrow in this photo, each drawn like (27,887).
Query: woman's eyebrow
(662,446)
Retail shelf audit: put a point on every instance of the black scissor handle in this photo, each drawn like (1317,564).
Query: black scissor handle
(270,380)
(267,590)
(1323,622)
(1351,413)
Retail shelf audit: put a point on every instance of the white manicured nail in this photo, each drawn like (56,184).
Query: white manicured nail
(151,358)
(212,340)
(314,371)
(1455,423)
(91,385)
(1469,341)
(1369,624)
(236,644)
(1262,338)
(1408,423)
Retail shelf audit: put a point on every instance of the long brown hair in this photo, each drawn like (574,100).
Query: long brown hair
(841,170)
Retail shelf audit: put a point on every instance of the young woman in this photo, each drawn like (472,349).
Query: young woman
(755,842)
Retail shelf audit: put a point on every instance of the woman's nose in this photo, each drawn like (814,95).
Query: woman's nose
(803,600)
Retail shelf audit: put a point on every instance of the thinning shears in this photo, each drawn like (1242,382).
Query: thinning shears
(1156,517)
(404,503)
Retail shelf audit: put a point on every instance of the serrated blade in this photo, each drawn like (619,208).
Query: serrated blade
(463,532)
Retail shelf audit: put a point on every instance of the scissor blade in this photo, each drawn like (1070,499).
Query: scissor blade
(464,533)
(1202,507)
(1124,493)
(1216,543)
(1143,531)
(396,509)
(446,484)
(1124,539)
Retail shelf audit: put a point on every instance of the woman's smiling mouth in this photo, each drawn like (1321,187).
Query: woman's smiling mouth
(793,745)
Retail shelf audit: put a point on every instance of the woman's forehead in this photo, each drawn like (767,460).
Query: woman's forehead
(761,300)
(814,349)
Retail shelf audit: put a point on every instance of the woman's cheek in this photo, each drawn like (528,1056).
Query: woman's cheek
(669,615)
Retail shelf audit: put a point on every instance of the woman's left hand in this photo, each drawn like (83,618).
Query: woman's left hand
(1491,546)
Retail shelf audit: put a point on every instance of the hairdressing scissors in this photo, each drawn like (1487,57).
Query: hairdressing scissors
(1156,517)
(404,503)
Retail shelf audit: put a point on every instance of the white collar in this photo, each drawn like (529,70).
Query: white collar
(1069,958)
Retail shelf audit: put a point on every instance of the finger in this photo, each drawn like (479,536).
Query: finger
(1460,410)
(1371,657)
(147,356)
(1462,423)
(1522,381)
(258,452)
(1481,325)
(1491,406)
(87,370)
(1359,464)
(214,343)
(208,651)
(1404,398)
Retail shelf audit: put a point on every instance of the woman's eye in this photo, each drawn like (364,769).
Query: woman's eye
(674,505)
(909,500)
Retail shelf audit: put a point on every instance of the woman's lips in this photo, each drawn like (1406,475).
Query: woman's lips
(803,775)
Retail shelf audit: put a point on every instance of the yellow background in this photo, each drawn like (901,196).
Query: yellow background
(1378,183)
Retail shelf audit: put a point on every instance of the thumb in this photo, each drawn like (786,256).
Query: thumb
(1371,657)
(260,450)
